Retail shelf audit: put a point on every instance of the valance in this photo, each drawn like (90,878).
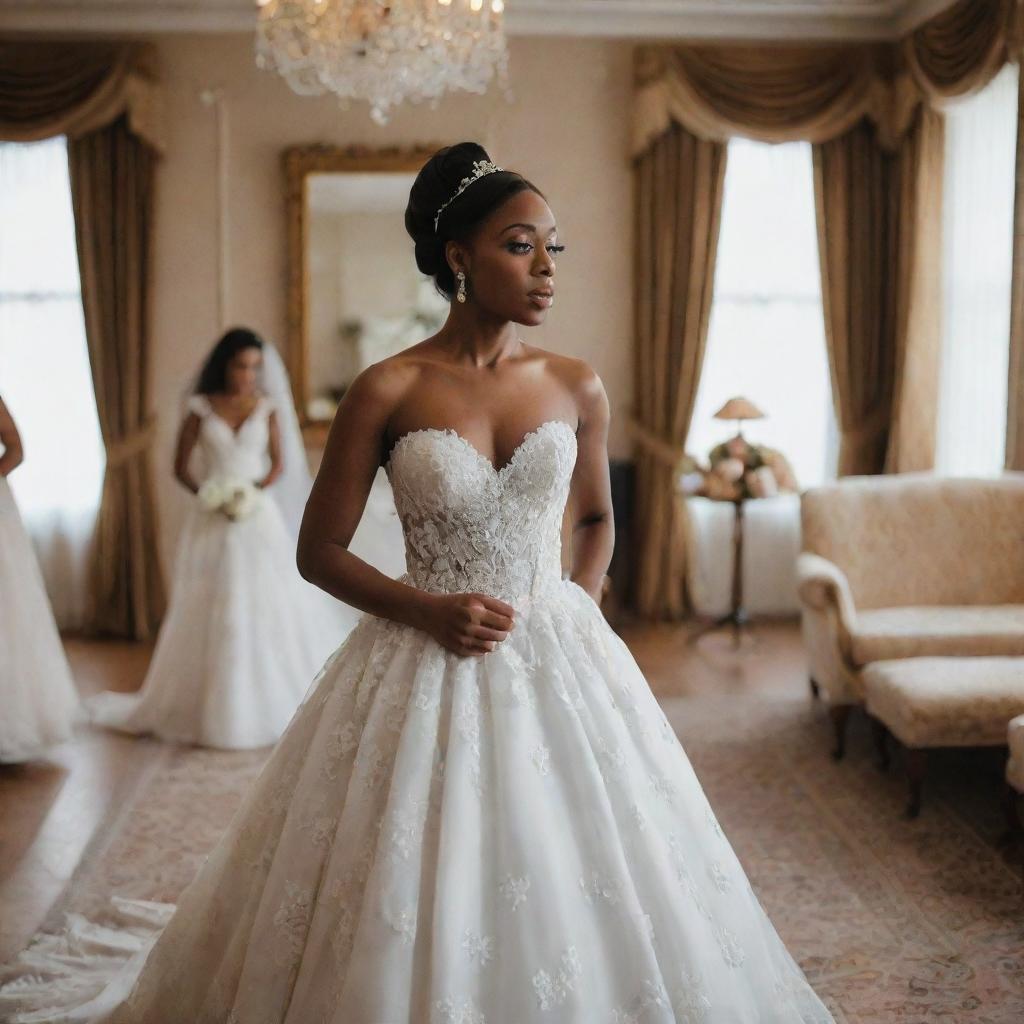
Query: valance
(767,93)
(960,50)
(817,93)
(74,88)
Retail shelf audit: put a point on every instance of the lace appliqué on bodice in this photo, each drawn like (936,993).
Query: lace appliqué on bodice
(471,527)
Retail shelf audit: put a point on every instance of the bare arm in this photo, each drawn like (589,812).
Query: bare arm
(11,440)
(274,447)
(187,437)
(469,624)
(590,498)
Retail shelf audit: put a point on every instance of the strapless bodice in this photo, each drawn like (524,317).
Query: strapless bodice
(471,527)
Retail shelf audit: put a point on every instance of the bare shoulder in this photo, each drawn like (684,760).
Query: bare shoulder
(381,386)
(580,379)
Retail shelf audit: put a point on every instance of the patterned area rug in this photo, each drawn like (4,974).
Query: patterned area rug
(894,921)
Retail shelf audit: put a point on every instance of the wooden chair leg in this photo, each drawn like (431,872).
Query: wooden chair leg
(815,689)
(881,737)
(917,768)
(1013,807)
(840,715)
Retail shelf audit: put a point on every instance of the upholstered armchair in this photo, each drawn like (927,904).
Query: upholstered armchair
(904,566)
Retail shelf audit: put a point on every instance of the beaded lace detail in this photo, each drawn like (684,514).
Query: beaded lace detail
(471,527)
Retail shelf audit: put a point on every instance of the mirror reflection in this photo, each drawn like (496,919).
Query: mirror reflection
(365,298)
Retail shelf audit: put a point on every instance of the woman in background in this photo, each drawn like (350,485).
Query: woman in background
(244,633)
(38,701)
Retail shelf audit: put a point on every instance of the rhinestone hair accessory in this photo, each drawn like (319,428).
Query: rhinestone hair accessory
(481,168)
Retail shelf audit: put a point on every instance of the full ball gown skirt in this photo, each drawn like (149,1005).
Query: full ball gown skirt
(512,839)
(38,700)
(244,633)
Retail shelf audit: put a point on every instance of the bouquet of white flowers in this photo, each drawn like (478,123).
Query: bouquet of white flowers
(235,499)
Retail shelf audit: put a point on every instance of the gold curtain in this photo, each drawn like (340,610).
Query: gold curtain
(112,173)
(956,53)
(679,181)
(917,277)
(104,98)
(63,88)
(961,49)
(869,110)
(878,216)
(768,93)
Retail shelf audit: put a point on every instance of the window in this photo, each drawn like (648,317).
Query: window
(981,134)
(767,337)
(44,367)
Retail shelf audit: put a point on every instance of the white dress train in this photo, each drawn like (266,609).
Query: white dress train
(39,704)
(244,633)
(513,839)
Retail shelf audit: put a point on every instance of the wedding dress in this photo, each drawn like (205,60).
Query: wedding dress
(512,839)
(38,701)
(244,633)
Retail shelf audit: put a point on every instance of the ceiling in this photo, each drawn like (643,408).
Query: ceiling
(631,19)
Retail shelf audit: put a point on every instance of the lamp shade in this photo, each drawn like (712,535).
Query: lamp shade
(739,409)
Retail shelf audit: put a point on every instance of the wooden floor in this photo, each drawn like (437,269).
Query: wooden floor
(50,810)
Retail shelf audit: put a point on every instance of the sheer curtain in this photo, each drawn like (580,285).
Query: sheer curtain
(44,368)
(767,335)
(977,239)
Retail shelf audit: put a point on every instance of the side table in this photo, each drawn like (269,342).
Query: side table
(737,616)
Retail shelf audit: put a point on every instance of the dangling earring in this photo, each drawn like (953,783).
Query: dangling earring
(460,295)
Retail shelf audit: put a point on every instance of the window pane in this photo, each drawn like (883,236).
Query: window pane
(978,246)
(37,227)
(767,338)
(44,368)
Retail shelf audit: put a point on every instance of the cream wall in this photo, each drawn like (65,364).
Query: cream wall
(566,128)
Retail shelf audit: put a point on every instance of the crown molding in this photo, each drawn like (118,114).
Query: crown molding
(838,20)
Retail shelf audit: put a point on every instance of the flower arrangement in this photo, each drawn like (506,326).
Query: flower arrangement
(234,499)
(738,469)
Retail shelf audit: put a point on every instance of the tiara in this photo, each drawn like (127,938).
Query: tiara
(481,168)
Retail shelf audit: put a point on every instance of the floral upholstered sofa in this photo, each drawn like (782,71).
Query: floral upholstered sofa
(908,566)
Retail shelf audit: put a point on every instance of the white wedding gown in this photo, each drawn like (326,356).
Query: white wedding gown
(38,701)
(244,633)
(513,839)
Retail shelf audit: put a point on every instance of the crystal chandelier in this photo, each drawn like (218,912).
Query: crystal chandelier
(383,51)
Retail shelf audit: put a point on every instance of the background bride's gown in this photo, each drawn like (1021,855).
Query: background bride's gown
(244,633)
(38,700)
(513,839)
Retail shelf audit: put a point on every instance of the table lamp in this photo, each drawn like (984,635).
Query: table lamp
(739,409)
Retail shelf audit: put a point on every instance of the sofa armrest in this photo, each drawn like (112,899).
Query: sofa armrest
(822,585)
(828,621)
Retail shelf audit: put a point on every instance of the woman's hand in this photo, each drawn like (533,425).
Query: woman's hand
(468,624)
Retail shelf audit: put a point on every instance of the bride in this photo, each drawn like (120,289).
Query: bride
(480,815)
(38,701)
(244,634)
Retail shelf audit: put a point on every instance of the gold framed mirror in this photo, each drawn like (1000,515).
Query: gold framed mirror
(354,293)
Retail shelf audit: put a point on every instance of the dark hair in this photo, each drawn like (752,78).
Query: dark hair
(213,377)
(436,183)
